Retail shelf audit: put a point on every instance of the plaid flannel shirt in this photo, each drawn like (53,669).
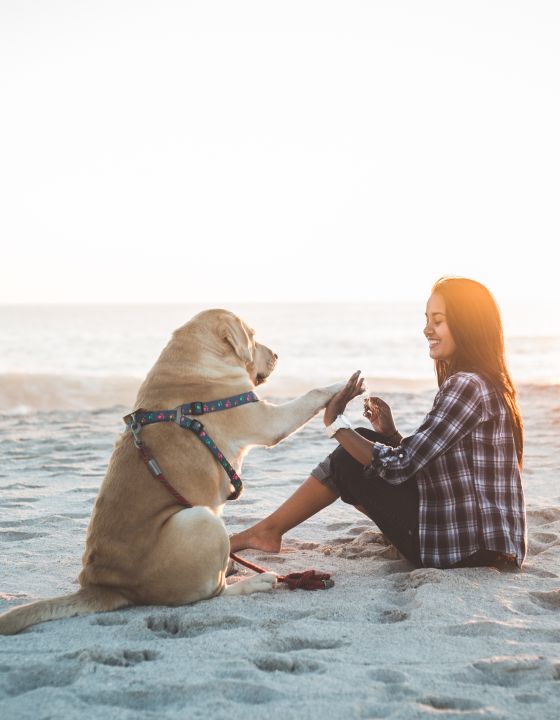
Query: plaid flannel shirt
(465,464)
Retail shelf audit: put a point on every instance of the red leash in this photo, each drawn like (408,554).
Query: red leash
(307,580)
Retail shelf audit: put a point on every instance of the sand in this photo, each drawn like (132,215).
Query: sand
(388,641)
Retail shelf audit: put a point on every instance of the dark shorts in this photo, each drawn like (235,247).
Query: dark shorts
(393,508)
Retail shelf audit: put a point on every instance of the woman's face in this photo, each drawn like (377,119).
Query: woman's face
(440,340)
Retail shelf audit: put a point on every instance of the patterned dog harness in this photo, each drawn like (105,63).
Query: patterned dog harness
(182,416)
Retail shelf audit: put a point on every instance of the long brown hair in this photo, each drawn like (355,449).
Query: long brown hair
(474,321)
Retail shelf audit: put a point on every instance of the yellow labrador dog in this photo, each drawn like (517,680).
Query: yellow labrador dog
(142,547)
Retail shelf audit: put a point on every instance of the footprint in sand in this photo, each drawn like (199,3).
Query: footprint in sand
(243,693)
(540,542)
(510,671)
(538,572)
(367,544)
(271,558)
(115,658)
(342,540)
(545,537)
(456,706)
(509,631)
(483,628)
(304,545)
(548,600)
(290,644)
(359,530)
(529,698)
(183,696)
(339,526)
(39,675)
(543,516)
(109,620)
(417,578)
(392,615)
(141,699)
(177,626)
(387,676)
(287,664)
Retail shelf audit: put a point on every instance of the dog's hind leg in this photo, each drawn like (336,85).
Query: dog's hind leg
(257,583)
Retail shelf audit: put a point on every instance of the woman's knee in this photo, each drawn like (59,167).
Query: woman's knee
(343,463)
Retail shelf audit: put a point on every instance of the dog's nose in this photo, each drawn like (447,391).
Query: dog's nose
(275,356)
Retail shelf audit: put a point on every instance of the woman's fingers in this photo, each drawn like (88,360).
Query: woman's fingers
(354,387)
(353,380)
(355,384)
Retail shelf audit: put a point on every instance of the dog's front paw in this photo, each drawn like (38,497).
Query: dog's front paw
(336,387)
(330,390)
(264,582)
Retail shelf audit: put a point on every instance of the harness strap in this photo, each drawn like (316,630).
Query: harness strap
(180,416)
(146,417)
(157,472)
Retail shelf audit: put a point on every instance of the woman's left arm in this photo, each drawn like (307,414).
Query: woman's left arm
(458,409)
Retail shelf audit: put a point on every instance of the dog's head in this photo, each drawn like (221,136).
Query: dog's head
(226,335)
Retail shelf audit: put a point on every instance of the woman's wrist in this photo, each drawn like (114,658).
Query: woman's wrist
(394,437)
(339,423)
(330,417)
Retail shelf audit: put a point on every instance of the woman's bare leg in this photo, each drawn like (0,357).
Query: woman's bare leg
(310,497)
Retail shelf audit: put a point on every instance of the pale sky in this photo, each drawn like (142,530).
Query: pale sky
(295,150)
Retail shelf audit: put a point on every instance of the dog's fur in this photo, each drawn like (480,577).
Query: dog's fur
(141,547)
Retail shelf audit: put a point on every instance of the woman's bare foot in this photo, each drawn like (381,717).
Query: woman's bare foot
(310,497)
(257,539)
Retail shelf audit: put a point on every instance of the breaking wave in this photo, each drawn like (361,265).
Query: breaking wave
(23,393)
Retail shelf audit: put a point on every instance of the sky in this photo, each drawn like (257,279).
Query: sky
(166,151)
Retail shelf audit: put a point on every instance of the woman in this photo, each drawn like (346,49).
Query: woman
(450,494)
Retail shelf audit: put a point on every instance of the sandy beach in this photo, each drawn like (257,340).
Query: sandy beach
(388,641)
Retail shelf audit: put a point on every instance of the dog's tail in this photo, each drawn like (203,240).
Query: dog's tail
(92,598)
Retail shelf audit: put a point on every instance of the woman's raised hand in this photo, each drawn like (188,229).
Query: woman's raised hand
(380,416)
(337,404)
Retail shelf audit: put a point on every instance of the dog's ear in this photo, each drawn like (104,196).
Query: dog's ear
(235,334)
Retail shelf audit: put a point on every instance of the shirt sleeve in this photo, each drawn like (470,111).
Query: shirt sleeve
(456,412)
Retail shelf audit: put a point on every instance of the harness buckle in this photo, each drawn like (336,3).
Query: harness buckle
(196,427)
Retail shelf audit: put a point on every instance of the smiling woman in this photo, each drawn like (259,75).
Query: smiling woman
(437,331)
(450,494)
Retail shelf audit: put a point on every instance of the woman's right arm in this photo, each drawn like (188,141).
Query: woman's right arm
(457,411)
(378,412)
